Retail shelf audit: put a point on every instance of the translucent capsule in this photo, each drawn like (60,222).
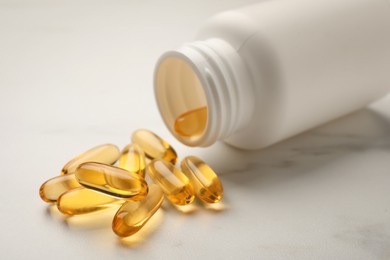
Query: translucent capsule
(112,180)
(154,146)
(82,200)
(106,153)
(133,159)
(133,215)
(53,188)
(191,123)
(207,186)
(173,182)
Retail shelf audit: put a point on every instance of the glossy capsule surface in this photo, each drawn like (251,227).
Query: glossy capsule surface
(112,180)
(173,182)
(53,188)
(106,153)
(206,183)
(133,215)
(83,200)
(191,123)
(132,159)
(154,146)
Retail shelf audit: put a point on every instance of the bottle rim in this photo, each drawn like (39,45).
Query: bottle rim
(220,75)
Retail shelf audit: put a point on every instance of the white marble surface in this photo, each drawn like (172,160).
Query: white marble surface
(74,74)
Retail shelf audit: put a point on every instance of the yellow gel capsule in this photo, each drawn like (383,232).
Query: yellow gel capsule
(53,188)
(173,182)
(133,215)
(111,180)
(133,159)
(154,146)
(106,153)
(191,123)
(207,186)
(82,200)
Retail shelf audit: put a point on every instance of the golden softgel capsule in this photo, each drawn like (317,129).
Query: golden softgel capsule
(154,146)
(133,159)
(83,200)
(106,153)
(191,123)
(53,188)
(133,215)
(207,186)
(173,182)
(112,180)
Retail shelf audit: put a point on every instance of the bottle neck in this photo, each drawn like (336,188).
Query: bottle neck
(205,74)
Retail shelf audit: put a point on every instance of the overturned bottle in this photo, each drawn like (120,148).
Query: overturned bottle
(263,73)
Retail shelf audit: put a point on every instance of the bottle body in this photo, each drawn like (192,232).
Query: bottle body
(280,67)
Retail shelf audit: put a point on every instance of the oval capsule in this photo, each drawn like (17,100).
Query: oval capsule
(111,180)
(191,123)
(154,146)
(54,187)
(83,200)
(133,215)
(173,182)
(206,183)
(132,159)
(106,153)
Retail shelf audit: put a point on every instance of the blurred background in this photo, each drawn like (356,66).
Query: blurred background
(75,74)
(73,66)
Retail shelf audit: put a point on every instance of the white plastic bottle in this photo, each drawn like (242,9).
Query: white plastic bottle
(265,72)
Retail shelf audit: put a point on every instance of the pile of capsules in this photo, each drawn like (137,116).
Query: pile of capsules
(90,182)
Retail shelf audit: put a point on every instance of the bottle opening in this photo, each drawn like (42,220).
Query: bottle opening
(181,99)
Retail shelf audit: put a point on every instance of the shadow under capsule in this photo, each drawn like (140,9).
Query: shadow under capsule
(217,207)
(53,212)
(186,209)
